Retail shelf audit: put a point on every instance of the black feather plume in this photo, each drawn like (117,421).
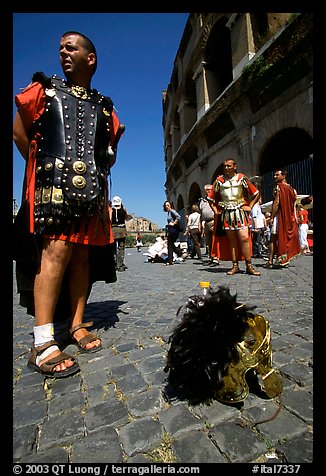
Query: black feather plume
(203,344)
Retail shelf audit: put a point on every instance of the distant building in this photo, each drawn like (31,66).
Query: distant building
(14,209)
(241,87)
(136,224)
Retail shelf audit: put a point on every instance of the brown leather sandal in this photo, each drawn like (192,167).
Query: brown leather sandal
(90,337)
(47,368)
(252,271)
(235,269)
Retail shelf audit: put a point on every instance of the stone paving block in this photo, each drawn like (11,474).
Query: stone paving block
(145,403)
(156,378)
(281,358)
(127,347)
(58,404)
(238,444)
(178,419)
(139,458)
(293,339)
(299,353)
(215,412)
(99,363)
(297,450)
(302,374)
(116,360)
(28,378)
(30,414)
(99,394)
(111,412)
(102,446)
(50,456)
(143,352)
(151,364)
(61,429)
(126,369)
(132,384)
(64,386)
(278,343)
(196,447)
(141,436)
(24,441)
(300,402)
(306,334)
(96,378)
(30,394)
(285,426)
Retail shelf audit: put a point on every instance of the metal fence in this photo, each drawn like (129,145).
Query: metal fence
(299,176)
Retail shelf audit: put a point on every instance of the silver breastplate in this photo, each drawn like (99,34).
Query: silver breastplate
(231,192)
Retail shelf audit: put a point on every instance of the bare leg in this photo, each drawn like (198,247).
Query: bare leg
(55,257)
(243,237)
(79,278)
(272,248)
(233,241)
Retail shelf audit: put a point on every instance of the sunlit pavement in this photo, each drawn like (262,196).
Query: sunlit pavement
(114,410)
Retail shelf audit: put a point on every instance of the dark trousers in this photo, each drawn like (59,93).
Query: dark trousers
(120,244)
(257,238)
(196,237)
(172,238)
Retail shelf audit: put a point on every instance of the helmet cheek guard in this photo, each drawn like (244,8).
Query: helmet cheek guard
(254,352)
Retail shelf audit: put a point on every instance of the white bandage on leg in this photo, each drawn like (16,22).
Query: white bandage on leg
(42,335)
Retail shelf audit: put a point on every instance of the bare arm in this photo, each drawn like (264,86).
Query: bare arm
(254,200)
(275,206)
(20,136)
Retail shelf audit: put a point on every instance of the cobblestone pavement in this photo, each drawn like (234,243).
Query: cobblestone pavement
(113,411)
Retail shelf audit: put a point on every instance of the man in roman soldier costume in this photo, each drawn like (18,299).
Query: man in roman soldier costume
(284,241)
(68,135)
(232,198)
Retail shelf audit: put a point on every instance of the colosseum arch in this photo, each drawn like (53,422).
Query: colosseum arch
(195,194)
(180,203)
(190,103)
(218,59)
(218,171)
(181,210)
(291,148)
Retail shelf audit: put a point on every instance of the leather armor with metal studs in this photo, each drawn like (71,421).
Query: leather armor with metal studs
(72,154)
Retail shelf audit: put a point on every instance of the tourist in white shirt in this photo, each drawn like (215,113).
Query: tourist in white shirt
(258,226)
(194,230)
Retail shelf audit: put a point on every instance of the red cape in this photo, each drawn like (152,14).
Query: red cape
(288,243)
(221,248)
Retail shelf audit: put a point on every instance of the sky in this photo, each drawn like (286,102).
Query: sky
(136,53)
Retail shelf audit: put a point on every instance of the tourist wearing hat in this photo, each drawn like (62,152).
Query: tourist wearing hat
(118,219)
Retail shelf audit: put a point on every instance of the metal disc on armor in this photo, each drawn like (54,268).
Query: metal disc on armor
(79,182)
(79,167)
